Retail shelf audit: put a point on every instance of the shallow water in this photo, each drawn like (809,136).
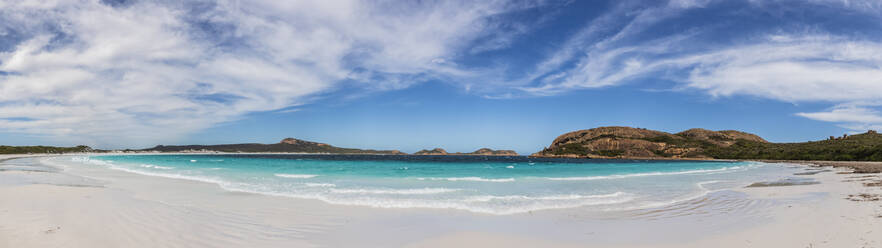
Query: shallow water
(493,185)
(24,171)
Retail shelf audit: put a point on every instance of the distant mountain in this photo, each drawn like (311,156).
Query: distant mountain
(289,145)
(628,142)
(479,152)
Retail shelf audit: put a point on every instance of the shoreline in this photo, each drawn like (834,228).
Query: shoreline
(860,167)
(116,208)
(857,166)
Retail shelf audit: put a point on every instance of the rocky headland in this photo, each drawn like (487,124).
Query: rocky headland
(629,142)
(641,143)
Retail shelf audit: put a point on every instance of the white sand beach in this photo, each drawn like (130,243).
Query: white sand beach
(99,207)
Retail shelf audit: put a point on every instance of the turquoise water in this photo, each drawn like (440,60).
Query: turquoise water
(493,185)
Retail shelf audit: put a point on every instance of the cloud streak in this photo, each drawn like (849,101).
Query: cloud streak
(797,66)
(144,72)
(139,73)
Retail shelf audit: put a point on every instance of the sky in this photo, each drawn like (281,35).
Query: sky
(413,75)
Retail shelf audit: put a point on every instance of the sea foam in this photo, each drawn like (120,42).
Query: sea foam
(156,166)
(472,179)
(620,176)
(320,185)
(295,175)
(418,191)
(487,198)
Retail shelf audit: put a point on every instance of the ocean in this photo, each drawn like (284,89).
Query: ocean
(488,185)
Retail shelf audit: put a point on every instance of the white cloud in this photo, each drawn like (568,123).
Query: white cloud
(598,49)
(807,66)
(797,70)
(857,116)
(849,114)
(154,71)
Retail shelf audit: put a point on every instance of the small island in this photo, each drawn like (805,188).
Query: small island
(479,152)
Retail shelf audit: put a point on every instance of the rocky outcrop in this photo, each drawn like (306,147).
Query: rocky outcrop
(436,151)
(293,141)
(629,142)
(491,152)
(723,138)
(479,152)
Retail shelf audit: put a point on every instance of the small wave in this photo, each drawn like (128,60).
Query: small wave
(545,198)
(320,185)
(510,167)
(642,174)
(701,184)
(168,175)
(472,179)
(423,191)
(156,167)
(295,175)
(192,161)
(480,207)
(656,204)
(92,161)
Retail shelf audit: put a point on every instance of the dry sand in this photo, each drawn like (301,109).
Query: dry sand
(99,207)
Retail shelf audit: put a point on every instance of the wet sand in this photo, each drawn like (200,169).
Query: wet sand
(855,166)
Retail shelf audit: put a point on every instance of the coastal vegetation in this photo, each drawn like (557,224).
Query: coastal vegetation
(43,149)
(436,151)
(860,147)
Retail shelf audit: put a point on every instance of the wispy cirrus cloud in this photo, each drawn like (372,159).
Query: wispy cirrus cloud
(806,64)
(143,72)
(846,114)
(856,116)
(140,72)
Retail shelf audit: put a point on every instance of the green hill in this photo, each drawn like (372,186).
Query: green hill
(860,147)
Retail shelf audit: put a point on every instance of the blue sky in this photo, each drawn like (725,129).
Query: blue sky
(412,75)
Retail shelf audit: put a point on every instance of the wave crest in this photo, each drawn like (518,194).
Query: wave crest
(545,198)
(295,175)
(645,174)
(422,191)
(156,167)
(472,179)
